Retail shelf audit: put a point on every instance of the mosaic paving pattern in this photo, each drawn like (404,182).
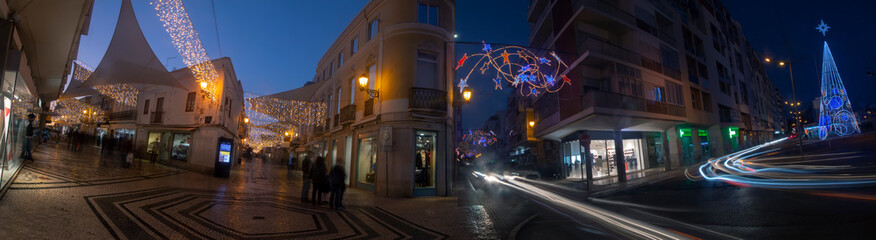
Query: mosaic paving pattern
(55,167)
(162,213)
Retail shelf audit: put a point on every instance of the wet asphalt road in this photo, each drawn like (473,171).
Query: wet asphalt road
(710,210)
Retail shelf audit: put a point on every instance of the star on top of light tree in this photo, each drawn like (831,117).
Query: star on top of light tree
(822,28)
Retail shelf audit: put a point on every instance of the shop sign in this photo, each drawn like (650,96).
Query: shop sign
(385,136)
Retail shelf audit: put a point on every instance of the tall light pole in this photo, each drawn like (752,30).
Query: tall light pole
(795,103)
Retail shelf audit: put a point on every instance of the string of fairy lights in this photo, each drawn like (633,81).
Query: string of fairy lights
(298,113)
(184,37)
(73,111)
(272,119)
(81,71)
(123,93)
(523,69)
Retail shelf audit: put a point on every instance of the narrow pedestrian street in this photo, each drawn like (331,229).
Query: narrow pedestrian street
(80,195)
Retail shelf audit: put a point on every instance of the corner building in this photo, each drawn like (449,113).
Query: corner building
(394,135)
(657,85)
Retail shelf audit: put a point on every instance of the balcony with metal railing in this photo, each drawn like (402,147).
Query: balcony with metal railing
(428,100)
(595,98)
(347,114)
(598,47)
(608,9)
(129,115)
(156,117)
(368,108)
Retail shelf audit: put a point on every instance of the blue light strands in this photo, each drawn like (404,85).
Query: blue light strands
(836,115)
(520,67)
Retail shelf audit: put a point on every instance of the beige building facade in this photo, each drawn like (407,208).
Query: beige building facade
(394,135)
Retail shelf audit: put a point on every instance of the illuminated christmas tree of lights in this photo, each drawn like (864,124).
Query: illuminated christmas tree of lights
(835,115)
(520,67)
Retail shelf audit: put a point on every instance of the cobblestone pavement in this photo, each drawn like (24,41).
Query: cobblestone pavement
(67,195)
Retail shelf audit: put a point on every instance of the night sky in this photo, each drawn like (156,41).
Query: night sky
(275,44)
(768,23)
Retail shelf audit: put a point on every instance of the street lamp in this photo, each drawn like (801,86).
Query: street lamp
(363,84)
(245,120)
(466,94)
(531,123)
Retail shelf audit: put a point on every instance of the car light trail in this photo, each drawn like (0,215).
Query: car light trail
(743,168)
(620,224)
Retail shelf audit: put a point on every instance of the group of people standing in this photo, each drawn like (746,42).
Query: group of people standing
(124,145)
(322,181)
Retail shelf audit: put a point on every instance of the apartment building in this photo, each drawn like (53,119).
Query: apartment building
(656,85)
(393,130)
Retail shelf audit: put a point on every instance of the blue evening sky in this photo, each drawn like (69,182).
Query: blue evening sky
(275,44)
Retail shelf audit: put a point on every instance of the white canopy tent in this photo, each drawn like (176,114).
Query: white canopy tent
(129,58)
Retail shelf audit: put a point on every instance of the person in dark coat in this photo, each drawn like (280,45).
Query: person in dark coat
(320,180)
(28,140)
(337,177)
(306,179)
(125,148)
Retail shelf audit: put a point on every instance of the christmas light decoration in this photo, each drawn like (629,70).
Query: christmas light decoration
(473,142)
(822,28)
(836,115)
(270,119)
(23,105)
(178,24)
(81,71)
(72,111)
(123,93)
(479,138)
(298,113)
(520,67)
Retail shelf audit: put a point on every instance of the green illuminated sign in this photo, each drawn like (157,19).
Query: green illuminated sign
(703,133)
(732,132)
(684,132)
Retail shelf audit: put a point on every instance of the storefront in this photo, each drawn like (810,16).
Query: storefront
(165,146)
(366,159)
(641,151)
(19,102)
(424,163)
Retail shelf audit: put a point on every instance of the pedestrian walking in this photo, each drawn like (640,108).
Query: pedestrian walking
(125,150)
(337,177)
(320,180)
(28,141)
(306,179)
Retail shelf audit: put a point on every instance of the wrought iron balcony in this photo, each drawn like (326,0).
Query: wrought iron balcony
(619,101)
(348,114)
(128,115)
(156,117)
(368,109)
(427,99)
